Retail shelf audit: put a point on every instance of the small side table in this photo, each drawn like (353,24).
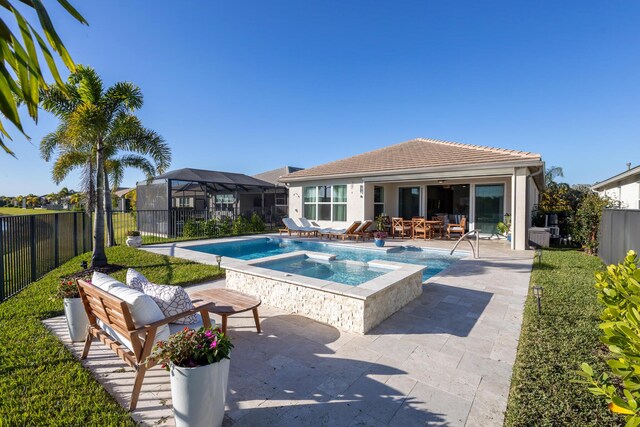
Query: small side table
(229,302)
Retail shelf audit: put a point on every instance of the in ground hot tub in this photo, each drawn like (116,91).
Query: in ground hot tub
(351,295)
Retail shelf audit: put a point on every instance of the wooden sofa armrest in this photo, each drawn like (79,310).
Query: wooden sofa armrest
(203,309)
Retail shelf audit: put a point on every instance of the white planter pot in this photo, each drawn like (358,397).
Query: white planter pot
(77,320)
(134,241)
(199,394)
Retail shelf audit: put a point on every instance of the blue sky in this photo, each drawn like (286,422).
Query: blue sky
(250,86)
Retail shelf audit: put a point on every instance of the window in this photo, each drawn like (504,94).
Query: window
(339,202)
(378,201)
(182,202)
(325,202)
(310,202)
(489,207)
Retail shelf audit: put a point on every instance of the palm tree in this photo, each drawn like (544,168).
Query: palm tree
(551,174)
(75,198)
(33,200)
(97,129)
(22,58)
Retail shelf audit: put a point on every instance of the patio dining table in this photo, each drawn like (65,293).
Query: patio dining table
(436,224)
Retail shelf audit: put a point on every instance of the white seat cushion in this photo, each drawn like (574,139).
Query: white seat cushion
(143,308)
(175,327)
(172,300)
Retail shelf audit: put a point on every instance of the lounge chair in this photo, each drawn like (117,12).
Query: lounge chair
(363,230)
(308,224)
(457,228)
(348,233)
(337,232)
(292,227)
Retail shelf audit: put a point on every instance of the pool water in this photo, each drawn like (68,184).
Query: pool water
(434,260)
(343,272)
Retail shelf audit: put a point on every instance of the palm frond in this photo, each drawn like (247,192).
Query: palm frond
(65,163)
(21,55)
(123,97)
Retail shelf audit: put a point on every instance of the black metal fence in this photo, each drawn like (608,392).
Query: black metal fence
(33,245)
(619,233)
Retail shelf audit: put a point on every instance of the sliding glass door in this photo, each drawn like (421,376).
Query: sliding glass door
(409,202)
(489,207)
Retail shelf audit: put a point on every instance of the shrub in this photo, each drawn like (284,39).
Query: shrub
(257,224)
(210,228)
(191,228)
(619,292)
(224,226)
(241,225)
(587,220)
(133,233)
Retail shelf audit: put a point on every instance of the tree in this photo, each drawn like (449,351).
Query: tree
(587,219)
(75,198)
(32,200)
(99,133)
(551,174)
(22,84)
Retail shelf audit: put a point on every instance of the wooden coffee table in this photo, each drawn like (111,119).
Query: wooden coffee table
(229,302)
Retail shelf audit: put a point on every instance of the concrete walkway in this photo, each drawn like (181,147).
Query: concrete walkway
(444,359)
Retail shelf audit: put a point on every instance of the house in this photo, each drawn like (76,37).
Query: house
(623,187)
(423,177)
(280,197)
(121,202)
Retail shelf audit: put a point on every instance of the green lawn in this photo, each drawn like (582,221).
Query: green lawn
(41,382)
(553,345)
(20,211)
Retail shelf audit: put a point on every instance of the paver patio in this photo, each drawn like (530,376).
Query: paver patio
(444,359)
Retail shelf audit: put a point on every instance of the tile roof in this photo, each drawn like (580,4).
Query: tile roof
(419,153)
(273,175)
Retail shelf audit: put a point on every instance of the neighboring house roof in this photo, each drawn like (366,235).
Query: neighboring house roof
(416,154)
(272,176)
(121,192)
(610,182)
(229,179)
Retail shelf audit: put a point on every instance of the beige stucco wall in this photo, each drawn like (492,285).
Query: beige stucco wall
(355,200)
(520,196)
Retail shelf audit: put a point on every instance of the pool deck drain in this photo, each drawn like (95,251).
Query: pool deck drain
(444,359)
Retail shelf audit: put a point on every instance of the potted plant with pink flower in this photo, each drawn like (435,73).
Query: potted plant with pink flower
(74,312)
(198,365)
(379,237)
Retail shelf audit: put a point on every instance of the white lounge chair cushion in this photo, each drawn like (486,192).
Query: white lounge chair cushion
(172,300)
(142,307)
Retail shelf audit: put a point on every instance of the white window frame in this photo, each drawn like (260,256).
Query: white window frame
(374,199)
(331,203)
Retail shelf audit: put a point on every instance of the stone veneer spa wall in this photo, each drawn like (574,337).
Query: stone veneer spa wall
(350,308)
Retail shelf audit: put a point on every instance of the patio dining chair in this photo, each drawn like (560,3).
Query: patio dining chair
(457,228)
(421,229)
(398,225)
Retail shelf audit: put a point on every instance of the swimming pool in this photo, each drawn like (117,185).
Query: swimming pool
(250,249)
(346,272)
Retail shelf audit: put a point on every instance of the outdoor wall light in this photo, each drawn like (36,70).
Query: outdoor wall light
(84,265)
(538,255)
(218,260)
(361,190)
(538,291)
(441,181)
